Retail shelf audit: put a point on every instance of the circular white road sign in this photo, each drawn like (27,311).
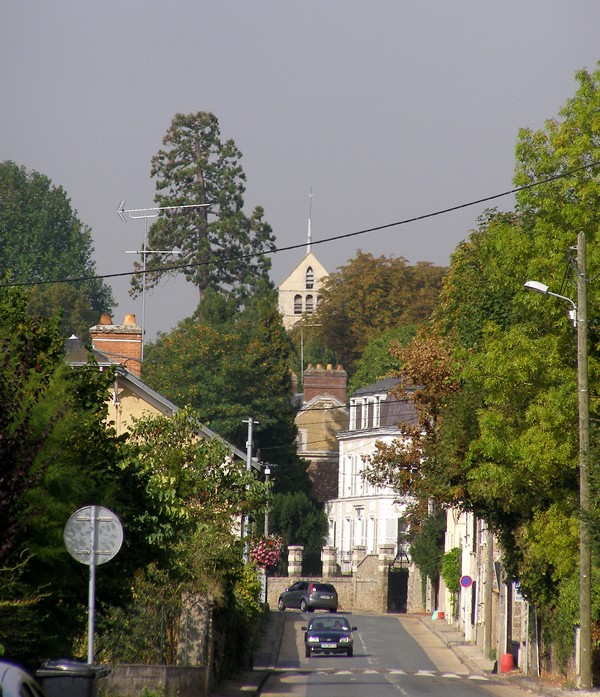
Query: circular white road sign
(93,535)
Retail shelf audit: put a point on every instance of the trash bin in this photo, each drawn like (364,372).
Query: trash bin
(67,677)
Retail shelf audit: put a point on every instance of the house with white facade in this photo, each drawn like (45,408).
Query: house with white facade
(363,515)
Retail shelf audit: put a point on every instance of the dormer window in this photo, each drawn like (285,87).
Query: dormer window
(310,278)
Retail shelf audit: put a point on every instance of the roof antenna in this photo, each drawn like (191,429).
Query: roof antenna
(309,241)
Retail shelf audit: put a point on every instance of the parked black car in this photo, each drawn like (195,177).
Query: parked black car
(309,596)
(331,634)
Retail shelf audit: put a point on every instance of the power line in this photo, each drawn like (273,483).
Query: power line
(223,260)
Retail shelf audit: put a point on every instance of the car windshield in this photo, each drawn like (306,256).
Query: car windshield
(328,623)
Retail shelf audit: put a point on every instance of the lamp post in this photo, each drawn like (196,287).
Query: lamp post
(578,315)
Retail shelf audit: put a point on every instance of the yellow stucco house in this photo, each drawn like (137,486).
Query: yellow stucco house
(119,346)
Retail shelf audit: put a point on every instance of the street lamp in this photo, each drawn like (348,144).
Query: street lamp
(578,316)
(542,288)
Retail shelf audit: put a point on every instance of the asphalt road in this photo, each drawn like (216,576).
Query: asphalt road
(393,655)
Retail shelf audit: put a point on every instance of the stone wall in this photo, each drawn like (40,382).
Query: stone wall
(126,680)
(365,590)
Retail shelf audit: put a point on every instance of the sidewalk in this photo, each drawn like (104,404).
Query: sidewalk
(474,659)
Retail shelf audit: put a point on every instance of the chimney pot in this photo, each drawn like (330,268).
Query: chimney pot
(329,366)
(105,318)
(129,320)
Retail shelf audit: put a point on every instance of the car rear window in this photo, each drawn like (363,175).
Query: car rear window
(323,587)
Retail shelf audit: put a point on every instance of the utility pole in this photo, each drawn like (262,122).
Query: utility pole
(578,315)
(585,552)
(267,474)
(246,521)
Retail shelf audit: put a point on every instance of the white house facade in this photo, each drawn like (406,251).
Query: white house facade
(364,515)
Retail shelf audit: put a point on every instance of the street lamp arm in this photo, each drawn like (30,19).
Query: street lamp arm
(542,288)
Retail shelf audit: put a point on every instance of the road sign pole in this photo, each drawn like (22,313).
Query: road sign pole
(92,586)
(93,535)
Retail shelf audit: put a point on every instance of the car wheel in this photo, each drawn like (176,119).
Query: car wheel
(281,605)
(350,652)
(331,610)
(307,652)
(303,605)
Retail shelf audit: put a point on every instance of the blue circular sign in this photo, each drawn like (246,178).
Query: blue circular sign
(465,581)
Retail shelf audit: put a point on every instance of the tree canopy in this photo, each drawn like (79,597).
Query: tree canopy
(505,441)
(42,239)
(215,244)
(230,365)
(371,295)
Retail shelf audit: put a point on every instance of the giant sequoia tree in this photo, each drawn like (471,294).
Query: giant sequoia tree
(42,239)
(217,245)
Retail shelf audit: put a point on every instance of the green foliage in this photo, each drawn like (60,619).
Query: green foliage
(451,569)
(220,245)
(230,365)
(505,445)
(42,239)
(31,351)
(427,544)
(299,520)
(451,573)
(189,481)
(377,360)
(370,296)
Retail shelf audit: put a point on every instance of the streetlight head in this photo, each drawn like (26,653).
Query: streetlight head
(537,286)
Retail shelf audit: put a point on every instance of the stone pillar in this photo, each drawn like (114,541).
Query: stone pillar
(295,553)
(359,552)
(386,557)
(329,559)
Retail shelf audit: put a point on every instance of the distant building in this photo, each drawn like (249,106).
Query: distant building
(363,515)
(119,346)
(322,416)
(299,292)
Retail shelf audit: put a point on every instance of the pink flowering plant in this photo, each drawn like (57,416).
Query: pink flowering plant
(265,551)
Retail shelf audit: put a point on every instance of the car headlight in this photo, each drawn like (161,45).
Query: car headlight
(313,640)
(344,640)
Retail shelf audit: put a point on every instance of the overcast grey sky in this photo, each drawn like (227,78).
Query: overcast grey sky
(388,109)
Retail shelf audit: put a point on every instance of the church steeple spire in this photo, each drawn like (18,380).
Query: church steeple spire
(309,240)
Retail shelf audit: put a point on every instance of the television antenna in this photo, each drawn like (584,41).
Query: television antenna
(147,214)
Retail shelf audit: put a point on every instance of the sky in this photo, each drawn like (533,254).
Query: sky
(388,110)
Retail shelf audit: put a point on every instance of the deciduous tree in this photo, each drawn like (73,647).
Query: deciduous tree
(42,239)
(370,296)
(230,365)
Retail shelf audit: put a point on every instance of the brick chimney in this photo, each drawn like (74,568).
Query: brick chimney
(321,381)
(121,343)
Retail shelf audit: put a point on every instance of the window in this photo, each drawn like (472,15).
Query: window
(297,304)
(310,278)
(302,438)
(310,307)
(365,416)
